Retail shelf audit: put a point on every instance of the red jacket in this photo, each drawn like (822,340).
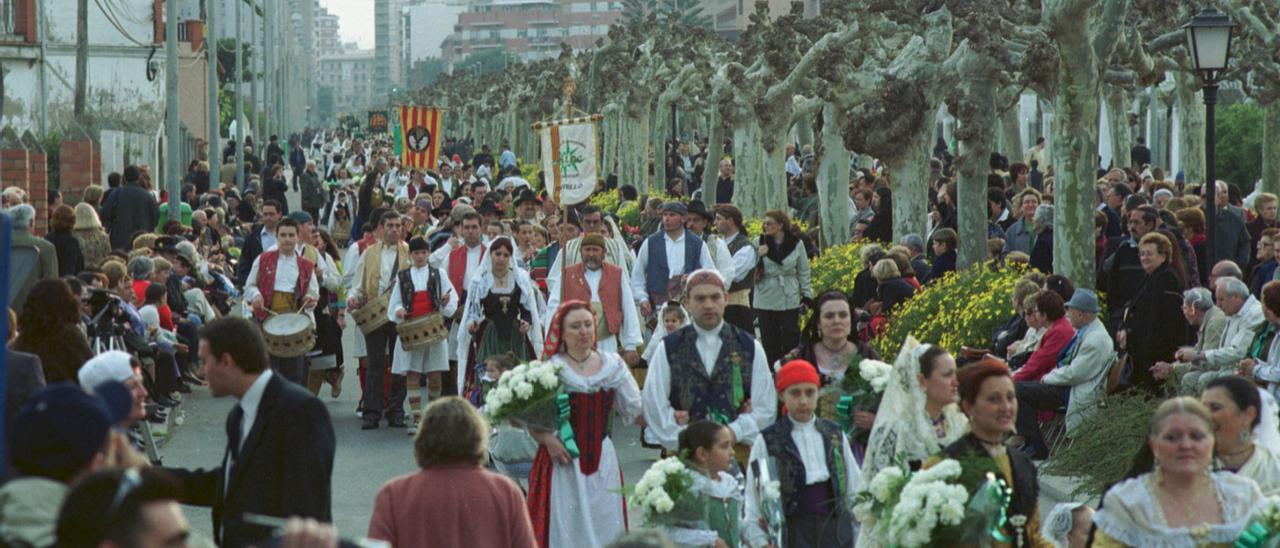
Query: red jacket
(1045,358)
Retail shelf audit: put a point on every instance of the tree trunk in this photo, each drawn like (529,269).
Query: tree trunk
(715,140)
(748,176)
(977,116)
(833,179)
(82,58)
(1189,102)
(1012,131)
(910,173)
(1118,123)
(1075,150)
(1271,147)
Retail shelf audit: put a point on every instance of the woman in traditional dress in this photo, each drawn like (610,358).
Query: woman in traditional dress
(501,314)
(829,342)
(1171,497)
(987,397)
(327,355)
(576,500)
(1245,430)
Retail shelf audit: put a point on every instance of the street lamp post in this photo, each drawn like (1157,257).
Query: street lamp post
(1209,41)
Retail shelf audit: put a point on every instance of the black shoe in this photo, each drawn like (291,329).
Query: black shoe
(369,424)
(157,417)
(397,423)
(183,388)
(164,401)
(192,378)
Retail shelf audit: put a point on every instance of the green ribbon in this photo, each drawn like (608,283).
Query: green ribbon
(998,493)
(719,418)
(1254,537)
(837,456)
(739,394)
(844,412)
(566,429)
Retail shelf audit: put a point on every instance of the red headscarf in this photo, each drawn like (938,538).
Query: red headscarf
(552,344)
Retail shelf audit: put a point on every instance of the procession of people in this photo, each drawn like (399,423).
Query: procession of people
(459,284)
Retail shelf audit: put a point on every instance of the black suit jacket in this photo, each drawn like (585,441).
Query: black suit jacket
(24,377)
(250,251)
(284,468)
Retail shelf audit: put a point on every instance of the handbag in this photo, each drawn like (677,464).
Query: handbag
(1120,375)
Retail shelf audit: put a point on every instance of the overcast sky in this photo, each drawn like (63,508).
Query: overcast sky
(355,20)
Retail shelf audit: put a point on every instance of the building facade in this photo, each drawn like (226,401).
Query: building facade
(529,29)
(350,74)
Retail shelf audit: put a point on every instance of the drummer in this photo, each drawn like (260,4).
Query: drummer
(420,291)
(374,274)
(281,281)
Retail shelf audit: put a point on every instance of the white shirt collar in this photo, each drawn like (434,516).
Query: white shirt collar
(675,240)
(253,396)
(713,333)
(803,426)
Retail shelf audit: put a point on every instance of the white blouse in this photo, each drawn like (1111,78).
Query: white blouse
(1131,513)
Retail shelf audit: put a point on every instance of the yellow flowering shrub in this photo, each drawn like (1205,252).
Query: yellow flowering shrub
(530,172)
(755,227)
(607,201)
(961,309)
(837,266)
(629,214)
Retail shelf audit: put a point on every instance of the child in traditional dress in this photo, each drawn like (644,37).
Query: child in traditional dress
(511,448)
(673,318)
(421,290)
(814,467)
(708,448)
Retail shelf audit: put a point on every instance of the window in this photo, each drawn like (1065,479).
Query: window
(581,7)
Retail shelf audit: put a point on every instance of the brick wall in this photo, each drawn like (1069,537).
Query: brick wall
(38,191)
(77,160)
(14,169)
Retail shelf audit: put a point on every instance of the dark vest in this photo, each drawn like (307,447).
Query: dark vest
(407,290)
(1026,489)
(739,241)
(657,274)
(692,389)
(777,438)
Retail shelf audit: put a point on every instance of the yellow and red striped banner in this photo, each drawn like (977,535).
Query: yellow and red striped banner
(419,135)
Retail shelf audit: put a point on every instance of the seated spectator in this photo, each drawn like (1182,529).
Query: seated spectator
(1244,318)
(915,246)
(23,374)
(60,436)
(117,366)
(1016,327)
(1198,308)
(891,289)
(944,254)
(1264,268)
(1078,379)
(1058,333)
(50,328)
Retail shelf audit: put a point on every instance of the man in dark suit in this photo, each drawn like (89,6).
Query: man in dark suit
(1139,155)
(261,238)
(280,443)
(129,209)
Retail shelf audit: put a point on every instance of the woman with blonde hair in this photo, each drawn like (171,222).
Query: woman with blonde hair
(95,244)
(1172,496)
(451,500)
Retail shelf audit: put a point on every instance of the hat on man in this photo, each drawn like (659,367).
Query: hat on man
(696,207)
(187,253)
(675,207)
(301,217)
(593,239)
(114,365)
(1084,300)
(58,432)
(460,211)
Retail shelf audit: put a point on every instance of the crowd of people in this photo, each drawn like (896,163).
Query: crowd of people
(711,338)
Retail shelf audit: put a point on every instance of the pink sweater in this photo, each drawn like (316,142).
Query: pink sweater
(452,505)
(1045,358)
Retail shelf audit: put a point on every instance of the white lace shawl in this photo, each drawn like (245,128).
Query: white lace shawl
(1131,514)
(902,428)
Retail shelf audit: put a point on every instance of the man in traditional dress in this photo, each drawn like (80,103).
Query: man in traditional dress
(708,370)
(421,291)
(349,259)
(461,261)
(743,264)
(697,221)
(591,222)
(375,272)
(608,290)
(666,257)
(281,281)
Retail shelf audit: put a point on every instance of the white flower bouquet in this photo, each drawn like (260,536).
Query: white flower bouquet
(665,495)
(528,394)
(861,390)
(915,509)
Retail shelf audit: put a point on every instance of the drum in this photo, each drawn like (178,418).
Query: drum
(422,331)
(288,335)
(373,314)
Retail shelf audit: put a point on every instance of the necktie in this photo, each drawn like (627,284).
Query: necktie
(235,422)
